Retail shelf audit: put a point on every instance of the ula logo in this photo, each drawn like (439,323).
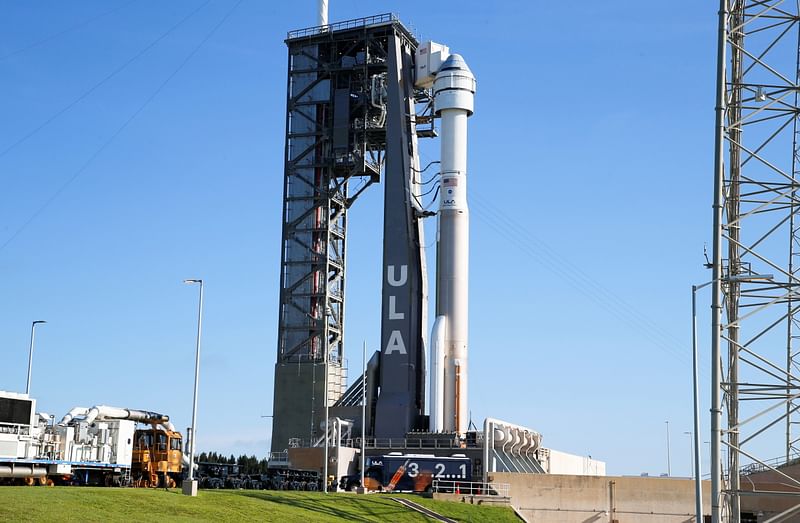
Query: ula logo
(396,342)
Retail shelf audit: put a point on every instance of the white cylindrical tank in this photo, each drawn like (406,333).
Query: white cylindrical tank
(454,90)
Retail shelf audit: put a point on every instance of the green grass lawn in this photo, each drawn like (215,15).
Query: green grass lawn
(108,504)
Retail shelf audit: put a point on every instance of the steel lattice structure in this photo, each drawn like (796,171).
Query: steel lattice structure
(324,153)
(350,121)
(755,309)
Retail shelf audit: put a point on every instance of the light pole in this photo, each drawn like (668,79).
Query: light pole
(191,488)
(270,416)
(716,406)
(363,409)
(698,482)
(691,452)
(669,467)
(327,421)
(30,355)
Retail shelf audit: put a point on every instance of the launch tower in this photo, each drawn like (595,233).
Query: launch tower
(755,360)
(350,120)
(360,94)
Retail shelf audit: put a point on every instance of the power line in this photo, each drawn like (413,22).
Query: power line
(53,36)
(108,77)
(121,128)
(502,228)
(582,282)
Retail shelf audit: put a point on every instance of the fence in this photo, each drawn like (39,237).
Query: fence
(347,24)
(472,488)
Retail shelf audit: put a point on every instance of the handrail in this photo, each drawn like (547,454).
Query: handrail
(777,463)
(420,443)
(346,24)
(472,488)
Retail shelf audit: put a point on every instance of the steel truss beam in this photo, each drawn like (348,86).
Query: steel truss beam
(335,137)
(756,342)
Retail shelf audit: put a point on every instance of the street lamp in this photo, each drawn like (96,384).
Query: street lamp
(270,416)
(716,408)
(190,487)
(326,456)
(691,451)
(363,409)
(669,468)
(30,355)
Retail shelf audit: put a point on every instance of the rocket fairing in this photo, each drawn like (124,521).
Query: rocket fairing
(453,98)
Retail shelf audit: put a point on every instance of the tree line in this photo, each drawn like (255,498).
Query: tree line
(247,464)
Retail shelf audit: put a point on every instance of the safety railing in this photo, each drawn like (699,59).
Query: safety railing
(278,459)
(305,358)
(421,443)
(471,488)
(347,24)
(775,463)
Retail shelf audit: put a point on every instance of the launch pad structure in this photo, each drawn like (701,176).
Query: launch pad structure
(350,121)
(360,94)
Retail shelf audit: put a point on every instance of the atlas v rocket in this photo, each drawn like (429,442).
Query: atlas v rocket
(453,98)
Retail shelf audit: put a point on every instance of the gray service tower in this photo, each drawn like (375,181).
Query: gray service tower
(360,94)
(351,118)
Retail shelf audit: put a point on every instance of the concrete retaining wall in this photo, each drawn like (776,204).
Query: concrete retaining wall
(554,498)
(762,483)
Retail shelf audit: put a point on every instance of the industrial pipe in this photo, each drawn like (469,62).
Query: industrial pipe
(21,471)
(372,379)
(75,411)
(499,431)
(104,412)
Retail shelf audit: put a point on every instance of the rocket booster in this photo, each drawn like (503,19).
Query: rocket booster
(454,91)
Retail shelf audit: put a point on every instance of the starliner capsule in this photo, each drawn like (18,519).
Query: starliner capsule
(454,92)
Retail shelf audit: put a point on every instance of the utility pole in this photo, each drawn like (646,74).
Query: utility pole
(669,467)
(30,355)
(190,488)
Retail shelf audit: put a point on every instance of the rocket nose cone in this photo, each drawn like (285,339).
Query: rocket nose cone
(455,62)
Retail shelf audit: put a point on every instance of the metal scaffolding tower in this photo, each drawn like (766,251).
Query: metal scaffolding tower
(756,342)
(343,88)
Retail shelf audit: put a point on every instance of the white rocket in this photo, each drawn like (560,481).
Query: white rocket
(454,92)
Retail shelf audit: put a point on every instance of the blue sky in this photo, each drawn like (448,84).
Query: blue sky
(590,191)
